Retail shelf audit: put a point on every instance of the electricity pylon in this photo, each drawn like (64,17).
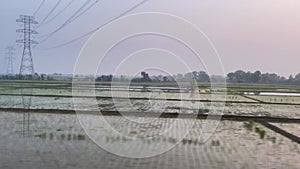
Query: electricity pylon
(27,68)
(10,56)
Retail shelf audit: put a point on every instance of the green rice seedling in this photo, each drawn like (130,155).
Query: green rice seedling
(69,137)
(249,125)
(133,133)
(172,140)
(184,141)
(200,142)
(261,132)
(272,139)
(51,136)
(41,136)
(118,138)
(62,136)
(107,139)
(215,143)
(158,139)
(164,139)
(124,139)
(228,104)
(195,141)
(81,137)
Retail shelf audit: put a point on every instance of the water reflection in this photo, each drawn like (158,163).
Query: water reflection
(61,136)
(26,102)
(26,125)
(59,142)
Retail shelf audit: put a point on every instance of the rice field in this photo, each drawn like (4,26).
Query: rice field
(52,140)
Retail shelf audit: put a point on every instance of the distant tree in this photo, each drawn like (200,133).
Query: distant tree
(171,78)
(256,77)
(248,77)
(297,77)
(104,78)
(291,79)
(241,76)
(143,74)
(43,76)
(217,78)
(165,78)
(282,79)
(274,78)
(155,79)
(202,77)
(238,76)
(188,77)
(179,77)
(36,76)
(145,77)
(231,78)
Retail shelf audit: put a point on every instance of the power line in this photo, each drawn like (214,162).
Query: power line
(39,7)
(68,21)
(60,12)
(51,11)
(79,10)
(88,8)
(99,27)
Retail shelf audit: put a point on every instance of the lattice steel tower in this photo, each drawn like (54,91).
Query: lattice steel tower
(10,56)
(27,68)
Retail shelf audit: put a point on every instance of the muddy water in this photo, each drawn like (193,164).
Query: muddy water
(58,141)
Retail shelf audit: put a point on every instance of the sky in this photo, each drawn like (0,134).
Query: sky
(247,34)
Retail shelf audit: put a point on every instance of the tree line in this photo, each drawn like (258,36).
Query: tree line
(238,76)
(241,76)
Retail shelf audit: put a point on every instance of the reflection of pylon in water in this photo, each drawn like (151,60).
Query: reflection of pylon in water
(26,68)
(26,124)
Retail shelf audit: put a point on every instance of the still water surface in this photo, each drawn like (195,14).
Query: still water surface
(58,141)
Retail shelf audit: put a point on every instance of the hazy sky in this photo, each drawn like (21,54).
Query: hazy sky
(248,34)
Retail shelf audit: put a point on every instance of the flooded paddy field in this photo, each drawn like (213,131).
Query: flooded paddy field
(58,141)
(235,104)
(48,139)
